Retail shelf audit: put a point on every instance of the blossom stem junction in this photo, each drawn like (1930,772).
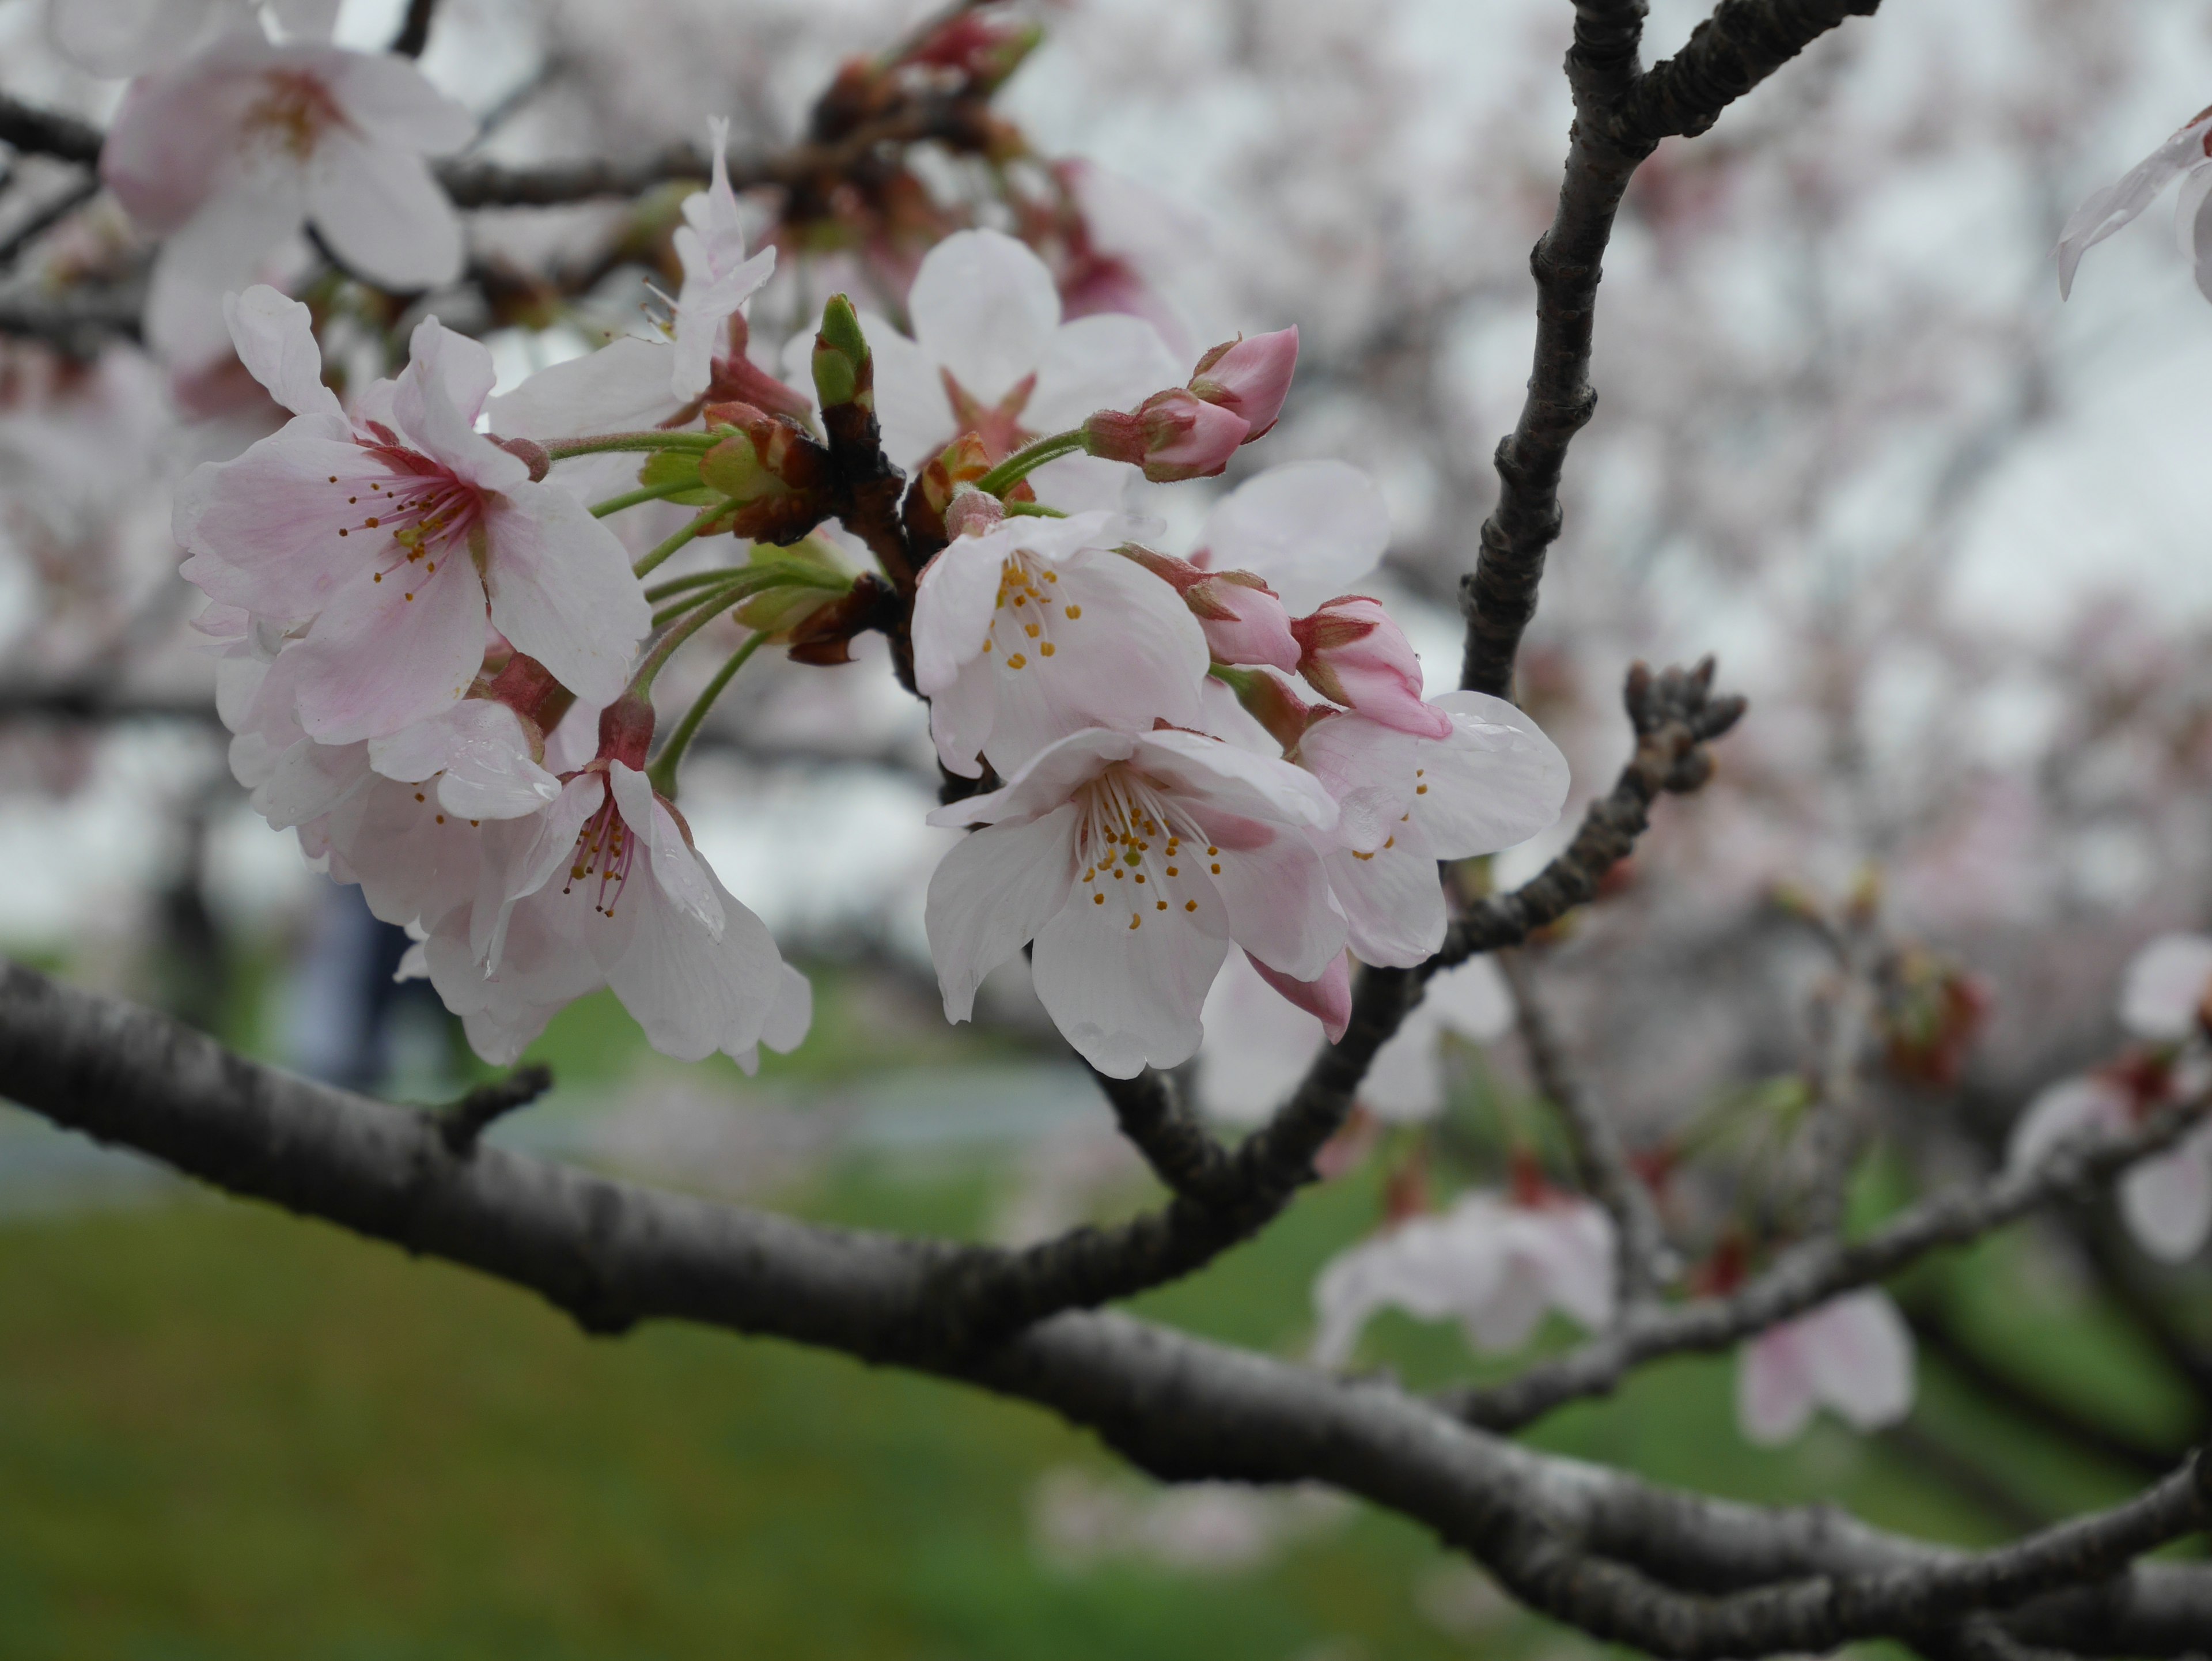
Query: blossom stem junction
(648,493)
(1027,459)
(560,449)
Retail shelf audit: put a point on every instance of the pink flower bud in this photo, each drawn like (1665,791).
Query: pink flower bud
(1250,377)
(1353,654)
(1172,436)
(1327,999)
(1244,620)
(972,512)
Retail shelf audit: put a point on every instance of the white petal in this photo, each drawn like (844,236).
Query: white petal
(394,104)
(1472,999)
(1258,1044)
(1497,781)
(562,590)
(1393,905)
(1859,1353)
(382,655)
(2167,1200)
(488,772)
(1369,769)
(952,606)
(1125,979)
(2072,1107)
(621,387)
(2104,211)
(1277,898)
(436,400)
(309,780)
(1406,1080)
(682,874)
(1774,1395)
(219,249)
(531,865)
(113,39)
(1050,777)
(692,993)
(2167,982)
(1110,362)
(275,338)
(985,308)
(990,896)
(1311,530)
(383,213)
(1235,780)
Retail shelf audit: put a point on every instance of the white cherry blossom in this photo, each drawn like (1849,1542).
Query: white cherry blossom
(2187,155)
(1407,802)
(1853,1355)
(116,37)
(227,155)
(1132,860)
(1035,628)
(1309,530)
(393,534)
(1495,1262)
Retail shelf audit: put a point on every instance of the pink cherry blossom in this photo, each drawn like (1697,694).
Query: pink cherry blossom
(390,533)
(2167,988)
(1852,1355)
(1132,860)
(1172,436)
(2166,1198)
(2187,155)
(604,888)
(1406,802)
(226,155)
(1035,628)
(632,384)
(1250,378)
(990,355)
(1496,1263)
(1353,654)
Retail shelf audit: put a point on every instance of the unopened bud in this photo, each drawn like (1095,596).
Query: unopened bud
(1265,698)
(844,371)
(1353,654)
(1249,377)
(972,513)
(1173,435)
(1244,619)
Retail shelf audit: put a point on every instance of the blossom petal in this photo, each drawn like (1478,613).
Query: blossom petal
(621,387)
(1277,898)
(383,654)
(112,38)
(275,338)
(694,994)
(1774,1396)
(1048,778)
(384,214)
(1232,780)
(264,531)
(985,308)
(1393,905)
(2107,211)
(1369,769)
(562,590)
(219,248)
(393,103)
(2072,1107)
(436,400)
(1258,1043)
(991,895)
(1311,529)
(1109,362)
(1124,983)
(2167,981)
(682,874)
(1859,1353)
(1495,783)
(2167,1200)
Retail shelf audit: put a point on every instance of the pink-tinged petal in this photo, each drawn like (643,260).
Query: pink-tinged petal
(960,719)
(1572,1245)
(382,655)
(1047,780)
(984,307)
(952,607)
(174,138)
(1370,769)
(499,1034)
(789,1017)
(1243,625)
(718,278)
(522,857)
(263,531)
(1405,1083)
(692,993)
(1079,483)
(309,780)
(682,874)
(395,106)
(1394,906)
(1251,377)
(2168,983)
(1231,780)
(621,387)
(2068,1109)
(383,213)
(1495,783)
(1103,363)
(304,19)
(482,750)
(2107,211)
(1277,898)
(220,248)
(275,339)
(989,897)
(436,400)
(1774,1395)
(1311,530)
(1326,996)
(1126,652)
(562,590)
(2167,1200)
(1858,1352)
(1510,1315)
(411,859)
(1124,977)
(112,38)
(1259,1038)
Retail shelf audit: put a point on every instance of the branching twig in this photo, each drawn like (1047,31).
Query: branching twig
(464,1123)
(35,131)
(414,29)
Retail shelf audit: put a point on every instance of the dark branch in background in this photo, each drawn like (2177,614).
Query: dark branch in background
(44,219)
(415,31)
(1643,1262)
(464,1123)
(77,321)
(34,131)
(1671,1573)
(1620,116)
(1820,1268)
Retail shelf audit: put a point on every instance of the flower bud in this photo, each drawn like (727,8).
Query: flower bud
(1172,436)
(1250,378)
(1353,654)
(1264,697)
(972,512)
(844,370)
(1244,620)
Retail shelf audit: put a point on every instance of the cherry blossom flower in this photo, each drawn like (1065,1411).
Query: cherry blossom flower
(116,37)
(2166,1198)
(1032,628)
(226,155)
(389,533)
(1352,654)
(603,888)
(1853,1355)
(2187,156)
(1498,1262)
(990,355)
(1260,1042)
(632,384)
(1132,860)
(1406,802)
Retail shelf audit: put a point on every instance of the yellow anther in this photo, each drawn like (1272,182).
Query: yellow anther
(1045,650)
(1161,905)
(1217,870)
(1074,612)
(1017,661)
(1132,920)
(1098,899)
(1032,630)
(1190,905)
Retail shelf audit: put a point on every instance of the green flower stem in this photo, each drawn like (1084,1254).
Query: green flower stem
(701,608)
(662,773)
(689,531)
(650,493)
(1027,459)
(1032,510)
(674,586)
(560,449)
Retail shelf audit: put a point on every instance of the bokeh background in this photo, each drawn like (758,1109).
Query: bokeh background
(1949,536)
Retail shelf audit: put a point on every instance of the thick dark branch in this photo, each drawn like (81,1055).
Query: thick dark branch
(464,1123)
(1818,1270)
(414,29)
(1582,1545)
(1642,1260)
(1742,43)
(1160,1125)
(34,131)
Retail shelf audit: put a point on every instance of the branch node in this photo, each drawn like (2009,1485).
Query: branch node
(463,1123)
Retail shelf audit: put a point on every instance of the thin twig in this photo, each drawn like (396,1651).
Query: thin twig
(464,1123)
